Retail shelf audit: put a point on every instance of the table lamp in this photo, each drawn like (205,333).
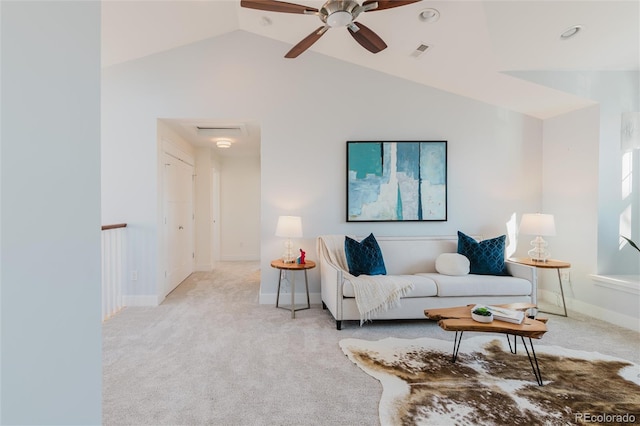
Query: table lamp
(289,227)
(540,225)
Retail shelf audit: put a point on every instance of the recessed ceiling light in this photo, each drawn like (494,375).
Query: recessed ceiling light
(571,32)
(223,143)
(429,15)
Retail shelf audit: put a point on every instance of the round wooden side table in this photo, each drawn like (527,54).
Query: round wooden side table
(548,264)
(293,267)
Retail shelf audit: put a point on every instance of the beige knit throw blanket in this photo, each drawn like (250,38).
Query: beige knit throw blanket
(373,293)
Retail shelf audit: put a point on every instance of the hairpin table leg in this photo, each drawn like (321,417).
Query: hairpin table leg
(536,367)
(514,349)
(278,293)
(456,346)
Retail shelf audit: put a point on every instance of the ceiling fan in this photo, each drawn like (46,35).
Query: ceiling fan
(334,13)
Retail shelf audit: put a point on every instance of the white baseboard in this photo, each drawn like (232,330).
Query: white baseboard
(285,298)
(597,312)
(140,300)
(241,258)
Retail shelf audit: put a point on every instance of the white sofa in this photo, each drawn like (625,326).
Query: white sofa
(414,258)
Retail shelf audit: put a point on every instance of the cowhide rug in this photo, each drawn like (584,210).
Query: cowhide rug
(489,385)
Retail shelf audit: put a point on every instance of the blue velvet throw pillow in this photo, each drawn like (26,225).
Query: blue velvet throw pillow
(364,257)
(485,257)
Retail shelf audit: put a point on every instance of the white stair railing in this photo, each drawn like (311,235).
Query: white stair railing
(113,268)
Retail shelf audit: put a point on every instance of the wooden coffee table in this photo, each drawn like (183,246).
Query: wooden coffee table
(459,319)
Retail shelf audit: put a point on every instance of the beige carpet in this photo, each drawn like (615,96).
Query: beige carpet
(491,386)
(211,355)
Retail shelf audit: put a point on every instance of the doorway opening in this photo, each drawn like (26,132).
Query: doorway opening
(226,187)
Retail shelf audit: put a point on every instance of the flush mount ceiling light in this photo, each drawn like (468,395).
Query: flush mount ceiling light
(571,32)
(223,143)
(429,15)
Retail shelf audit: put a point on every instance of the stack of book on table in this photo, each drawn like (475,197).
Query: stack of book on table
(504,314)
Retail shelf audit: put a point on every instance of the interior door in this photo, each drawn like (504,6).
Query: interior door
(179,221)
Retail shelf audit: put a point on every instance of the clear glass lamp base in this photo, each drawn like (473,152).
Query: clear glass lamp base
(288,256)
(539,251)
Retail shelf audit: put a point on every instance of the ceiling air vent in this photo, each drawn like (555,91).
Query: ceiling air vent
(420,50)
(222,130)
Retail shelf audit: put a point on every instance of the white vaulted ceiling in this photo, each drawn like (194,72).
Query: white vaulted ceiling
(473,45)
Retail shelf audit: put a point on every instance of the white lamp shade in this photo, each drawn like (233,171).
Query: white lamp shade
(537,224)
(289,227)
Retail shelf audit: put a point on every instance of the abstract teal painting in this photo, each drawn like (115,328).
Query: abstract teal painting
(396,181)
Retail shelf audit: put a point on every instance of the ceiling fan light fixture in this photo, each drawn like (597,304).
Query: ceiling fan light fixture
(335,13)
(571,32)
(339,18)
(223,143)
(429,15)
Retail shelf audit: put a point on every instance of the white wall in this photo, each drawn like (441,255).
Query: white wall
(570,155)
(167,134)
(203,210)
(240,208)
(50,370)
(308,108)
(616,92)
(582,169)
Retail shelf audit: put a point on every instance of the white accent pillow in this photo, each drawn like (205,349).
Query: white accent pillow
(452,264)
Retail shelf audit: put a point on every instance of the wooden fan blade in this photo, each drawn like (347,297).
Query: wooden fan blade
(306,43)
(388,4)
(277,6)
(367,38)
